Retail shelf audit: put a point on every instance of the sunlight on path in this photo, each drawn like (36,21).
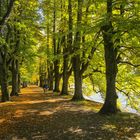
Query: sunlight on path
(32,89)
(34,115)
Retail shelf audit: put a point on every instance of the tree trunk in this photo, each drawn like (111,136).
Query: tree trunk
(4,80)
(19,83)
(78,80)
(50,76)
(65,77)
(41,80)
(57,77)
(56,62)
(67,48)
(110,105)
(14,78)
(65,68)
(49,64)
(76,59)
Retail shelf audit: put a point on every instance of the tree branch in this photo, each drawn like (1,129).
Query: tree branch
(129,63)
(91,73)
(7,14)
(85,65)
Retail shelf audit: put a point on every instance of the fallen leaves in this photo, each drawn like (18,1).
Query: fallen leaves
(37,116)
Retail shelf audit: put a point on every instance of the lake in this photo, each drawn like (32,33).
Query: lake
(122,100)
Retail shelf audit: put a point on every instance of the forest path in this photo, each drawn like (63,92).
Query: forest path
(38,116)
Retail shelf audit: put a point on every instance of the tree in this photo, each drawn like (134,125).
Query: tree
(76,59)
(15,34)
(110,105)
(67,49)
(5,11)
(114,35)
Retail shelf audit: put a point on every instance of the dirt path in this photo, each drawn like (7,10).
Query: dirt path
(38,116)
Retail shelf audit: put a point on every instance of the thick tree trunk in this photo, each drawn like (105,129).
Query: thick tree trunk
(76,60)
(49,64)
(14,91)
(110,105)
(56,77)
(65,77)
(41,81)
(67,48)
(4,89)
(4,80)
(50,77)
(78,80)
(56,62)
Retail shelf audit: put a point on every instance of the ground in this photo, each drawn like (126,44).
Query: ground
(38,116)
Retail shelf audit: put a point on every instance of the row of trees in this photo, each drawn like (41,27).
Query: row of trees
(18,21)
(95,40)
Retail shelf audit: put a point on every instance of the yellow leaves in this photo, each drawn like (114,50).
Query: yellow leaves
(137,79)
(17,2)
(109,127)
(23,71)
(33,4)
(34,77)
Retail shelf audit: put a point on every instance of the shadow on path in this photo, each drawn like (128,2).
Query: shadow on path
(38,116)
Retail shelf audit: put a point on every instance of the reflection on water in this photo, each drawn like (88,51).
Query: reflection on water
(122,100)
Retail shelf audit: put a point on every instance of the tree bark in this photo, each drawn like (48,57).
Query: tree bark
(110,105)
(56,62)
(57,77)
(14,91)
(76,59)
(19,82)
(41,81)
(78,81)
(49,63)
(66,74)
(4,79)
(4,68)
(7,14)
(50,76)
(65,79)
(67,48)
